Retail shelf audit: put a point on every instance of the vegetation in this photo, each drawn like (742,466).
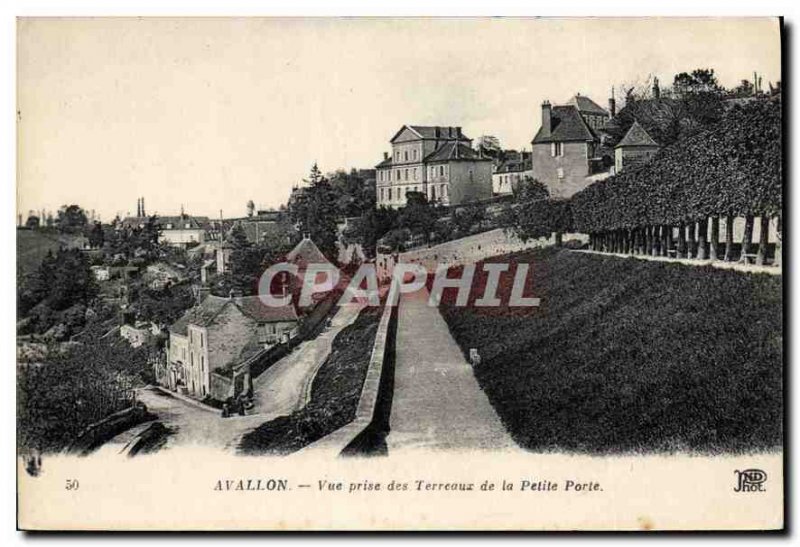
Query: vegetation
(334,394)
(73,388)
(736,169)
(631,356)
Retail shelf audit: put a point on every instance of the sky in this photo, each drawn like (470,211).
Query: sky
(208,113)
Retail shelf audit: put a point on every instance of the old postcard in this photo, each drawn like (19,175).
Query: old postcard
(400,274)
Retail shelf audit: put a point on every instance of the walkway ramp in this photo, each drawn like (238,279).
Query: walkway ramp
(437,402)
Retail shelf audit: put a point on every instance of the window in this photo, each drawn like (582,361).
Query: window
(405,155)
(201,339)
(444,191)
(441,170)
(433,192)
(406,174)
(390,194)
(381,194)
(169,226)
(415,173)
(557,149)
(202,363)
(560,172)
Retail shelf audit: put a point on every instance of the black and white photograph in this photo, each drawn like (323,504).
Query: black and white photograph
(509,273)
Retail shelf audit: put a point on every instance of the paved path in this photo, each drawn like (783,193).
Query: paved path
(285,386)
(437,402)
(279,391)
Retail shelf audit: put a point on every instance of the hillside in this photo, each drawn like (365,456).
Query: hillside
(32,247)
(632,356)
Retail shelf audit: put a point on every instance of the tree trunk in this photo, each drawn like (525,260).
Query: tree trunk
(777,261)
(763,240)
(690,239)
(670,240)
(712,248)
(654,241)
(747,237)
(728,237)
(702,241)
(681,240)
(559,238)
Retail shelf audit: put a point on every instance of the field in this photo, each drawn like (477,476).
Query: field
(629,356)
(334,394)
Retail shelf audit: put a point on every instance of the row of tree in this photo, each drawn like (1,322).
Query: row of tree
(733,168)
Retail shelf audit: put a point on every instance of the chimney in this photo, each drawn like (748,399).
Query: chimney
(458,132)
(546,119)
(143,212)
(656,89)
(449,132)
(436,132)
(138,207)
(386,155)
(612,104)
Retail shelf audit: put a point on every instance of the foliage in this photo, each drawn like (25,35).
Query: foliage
(733,166)
(71,219)
(61,281)
(373,225)
(632,356)
(314,209)
(96,236)
(540,218)
(164,306)
(418,216)
(353,193)
(136,241)
(70,390)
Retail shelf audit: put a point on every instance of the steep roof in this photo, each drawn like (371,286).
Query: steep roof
(436,132)
(306,252)
(515,166)
(179,222)
(452,151)
(385,163)
(637,136)
(254,308)
(204,313)
(585,104)
(566,124)
(201,314)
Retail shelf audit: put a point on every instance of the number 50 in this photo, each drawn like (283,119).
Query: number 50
(72,484)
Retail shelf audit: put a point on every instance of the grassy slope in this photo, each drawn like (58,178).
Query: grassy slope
(334,394)
(630,355)
(32,247)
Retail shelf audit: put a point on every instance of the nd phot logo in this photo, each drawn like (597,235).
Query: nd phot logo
(750,480)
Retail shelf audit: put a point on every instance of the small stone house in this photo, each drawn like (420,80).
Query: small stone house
(223,334)
(635,148)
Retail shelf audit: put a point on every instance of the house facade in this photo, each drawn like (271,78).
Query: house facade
(567,149)
(437,161)
(510,171)
(223,333)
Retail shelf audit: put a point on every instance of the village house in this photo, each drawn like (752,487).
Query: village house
(139,333)
(180,231)
(510,171)
(635,148)
(222,334)
(568,149)
(436,161)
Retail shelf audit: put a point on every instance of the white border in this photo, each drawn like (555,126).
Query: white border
(13,8)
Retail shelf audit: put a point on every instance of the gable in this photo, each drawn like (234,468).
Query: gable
(406,134)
